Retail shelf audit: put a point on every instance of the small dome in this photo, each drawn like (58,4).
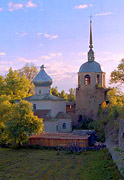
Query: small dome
(92,66)
(42,78)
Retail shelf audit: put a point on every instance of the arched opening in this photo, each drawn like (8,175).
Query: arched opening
(39,91)
(80,118)
(87,80)
(64,125)
(97,79)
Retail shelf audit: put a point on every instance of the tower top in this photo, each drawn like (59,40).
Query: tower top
(91,52)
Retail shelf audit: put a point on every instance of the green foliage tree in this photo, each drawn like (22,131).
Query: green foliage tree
(5,116)
(29,71)
(54,91)
(15,86)
(23,124)
(117,76)
(2,86)
(71,95)
(63,95)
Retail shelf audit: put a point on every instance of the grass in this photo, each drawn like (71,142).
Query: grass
(30,164)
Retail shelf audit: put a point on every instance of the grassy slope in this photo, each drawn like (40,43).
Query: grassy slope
(47,165)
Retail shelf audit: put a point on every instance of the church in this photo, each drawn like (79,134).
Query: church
(90,94)
(91,91)
(51,108)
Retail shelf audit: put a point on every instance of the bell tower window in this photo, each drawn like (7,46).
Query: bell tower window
(97,79)
(87,80)
(39,91)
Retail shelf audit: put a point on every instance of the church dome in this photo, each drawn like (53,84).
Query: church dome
(42,78)
(92,66)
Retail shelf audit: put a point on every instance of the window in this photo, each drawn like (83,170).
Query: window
(80,118)
(39,91)
(97,78)
(34,106)
(57,128)
(87,79)
(64,125)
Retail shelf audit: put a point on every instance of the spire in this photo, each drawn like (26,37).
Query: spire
(91,52)
(91,41)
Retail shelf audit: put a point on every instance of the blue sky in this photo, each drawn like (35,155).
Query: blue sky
(56,33)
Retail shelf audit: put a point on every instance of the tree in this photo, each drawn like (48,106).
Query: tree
(15,86)
(23,124)
(1,85)
(117,76)
(29,71)
(5,116)
(54,91)
(71,95)
(63,94)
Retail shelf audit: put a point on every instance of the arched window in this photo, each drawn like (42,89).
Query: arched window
(97,79)
(39,91)
(87,79)
(64,125)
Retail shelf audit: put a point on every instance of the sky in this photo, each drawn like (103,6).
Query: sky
(56,33)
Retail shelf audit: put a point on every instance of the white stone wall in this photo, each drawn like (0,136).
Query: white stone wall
(54,106)
(68,123)
(50,126)
(43,90)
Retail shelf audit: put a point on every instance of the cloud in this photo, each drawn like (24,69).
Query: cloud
(13,7)
(39,33)
(82,54)
(1,9)
(22,34)
(83,6)
(2,53)
(21,59)
(61,71)
(103,14)
(30,4)
(51,55)
(50,37)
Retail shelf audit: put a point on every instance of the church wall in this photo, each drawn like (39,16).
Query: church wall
(54,106)
(88,100)
(58,106)
(93,76)
(42,90)
(50,126)
(68,123)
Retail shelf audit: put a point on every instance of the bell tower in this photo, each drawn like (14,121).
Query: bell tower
(91,92)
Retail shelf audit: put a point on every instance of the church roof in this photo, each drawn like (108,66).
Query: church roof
(42,78)
(62,115)
(45,114)
(44,97)
(92,66)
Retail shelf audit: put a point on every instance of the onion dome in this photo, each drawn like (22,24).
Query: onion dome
(90,67)
(42,78)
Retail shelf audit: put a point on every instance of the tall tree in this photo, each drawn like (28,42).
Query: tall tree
(71,95)
(23,124)
(117,76)
(63,94)
(5,116)
(15,86)
(29,71)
